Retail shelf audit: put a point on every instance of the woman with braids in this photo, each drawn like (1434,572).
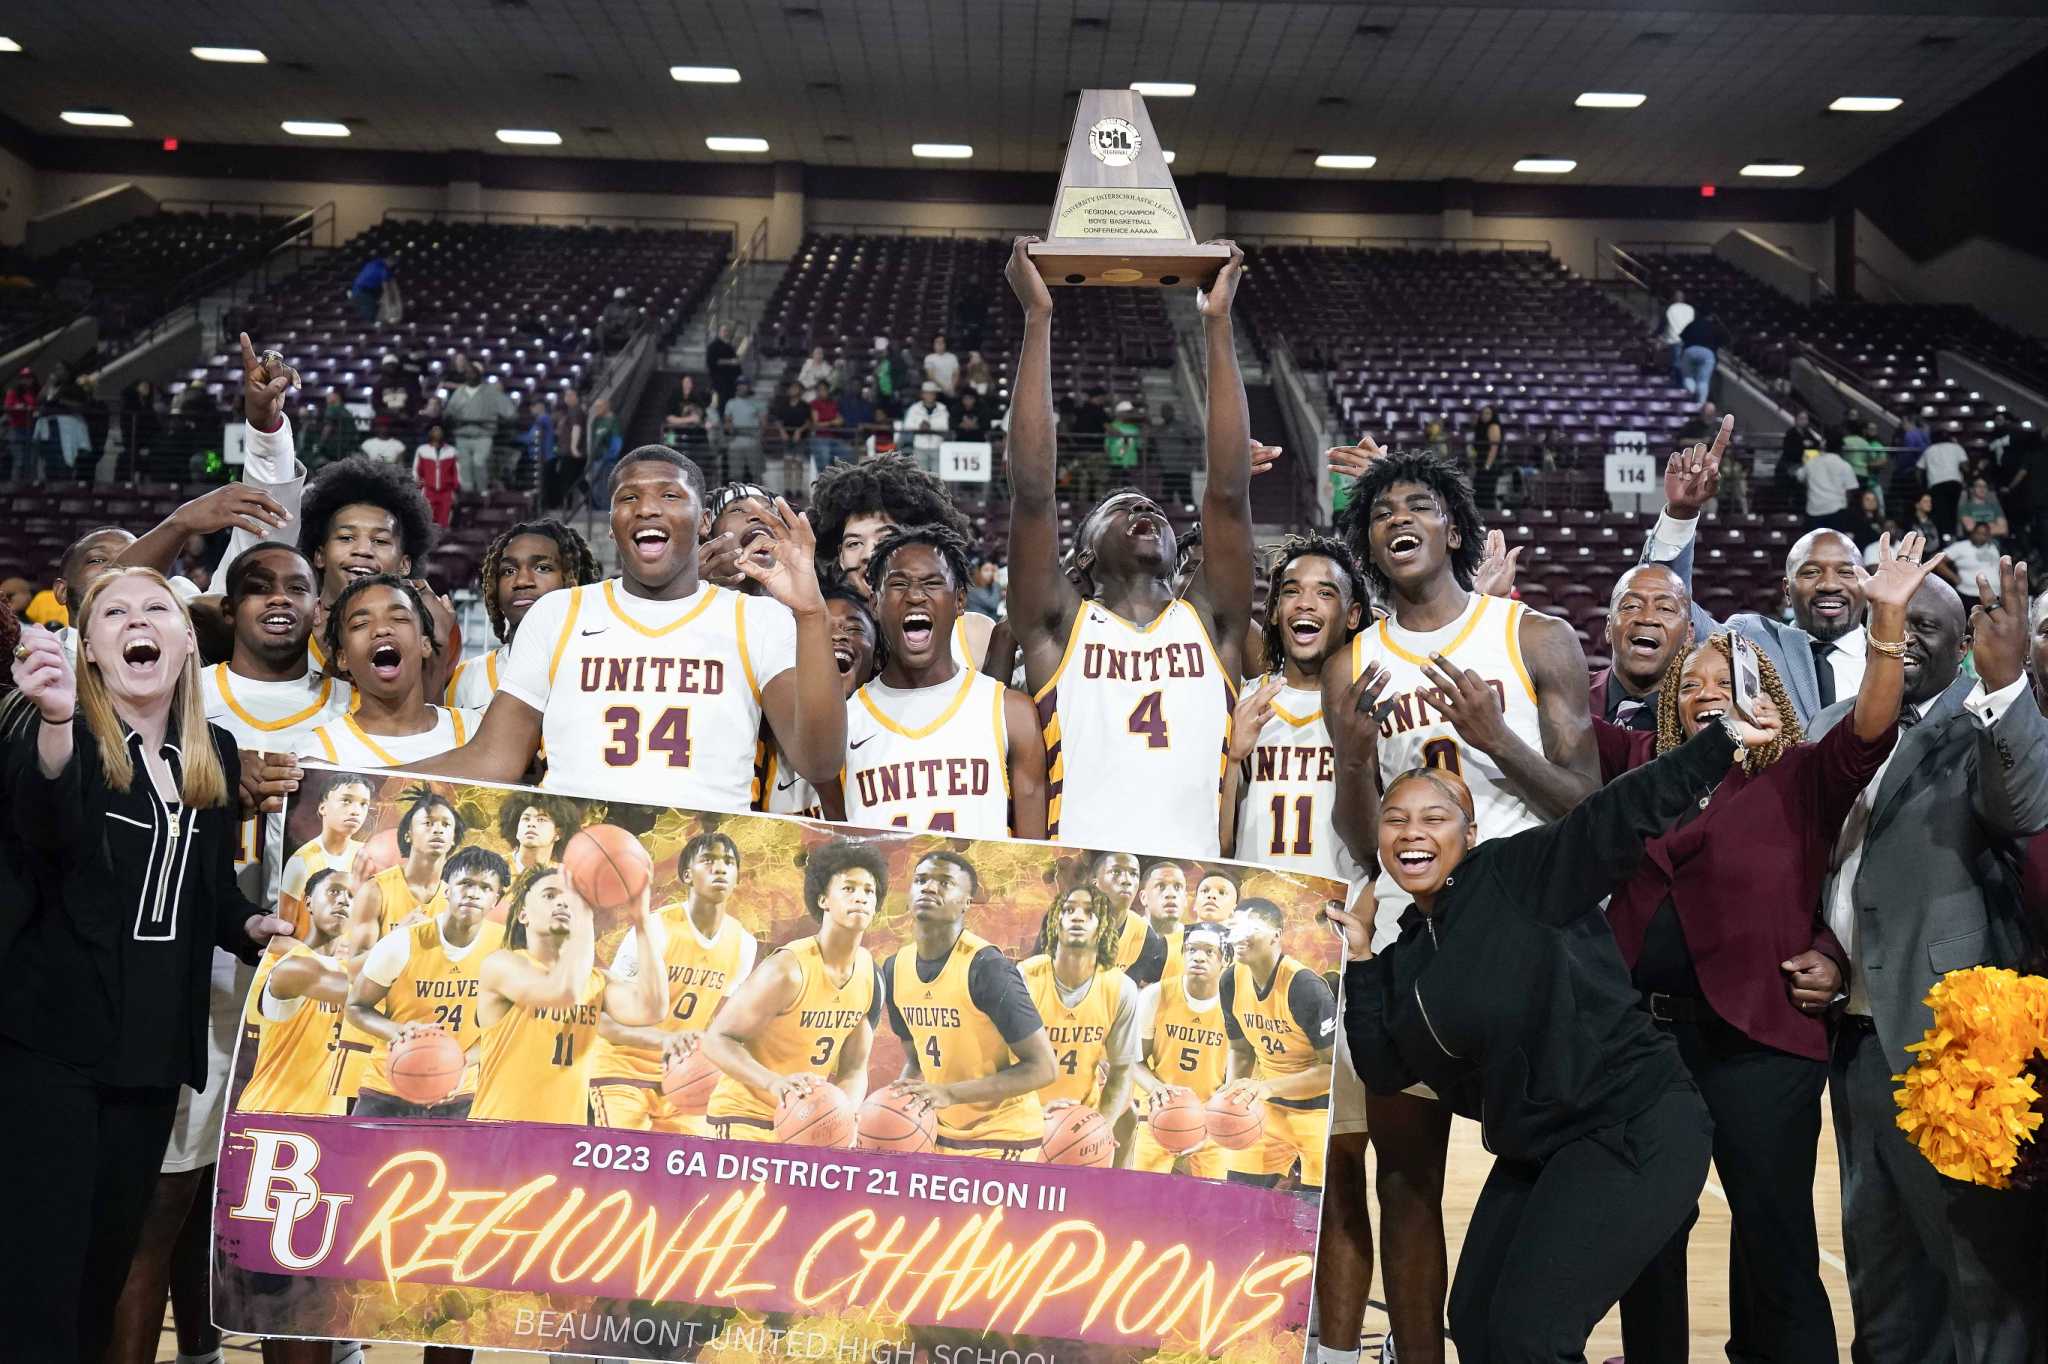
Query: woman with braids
(1090,1008)
(1720,930)
(855,506)
(524,564)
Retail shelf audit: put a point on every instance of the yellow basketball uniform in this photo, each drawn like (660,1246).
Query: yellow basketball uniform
(929,758)
(345,743)
(399,903)
(308,862)
(1286,1033)
(431,987)
(1130,940)
(1188,1047)
(533,1065)
(296,1070)
(955,1041)
(1176,941)
(1079,1033)
(701,973)
(805,1038)
(267,717)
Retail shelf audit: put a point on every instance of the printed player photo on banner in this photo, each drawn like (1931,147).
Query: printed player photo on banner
(559,1075)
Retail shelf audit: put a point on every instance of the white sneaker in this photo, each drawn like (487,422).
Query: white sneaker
(1387,1350)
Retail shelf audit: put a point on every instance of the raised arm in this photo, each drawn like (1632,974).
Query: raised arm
(1567,769)
(1042,601)
(1351,710)
(2010,792)
(638,1000)
(765,993)
(1224,586)
(1030,797)
(1887,593)
(803,704)
(1692,480)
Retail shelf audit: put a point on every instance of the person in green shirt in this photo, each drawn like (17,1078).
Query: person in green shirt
(1865,453)
(1123,440)
(332,433)
(604,447)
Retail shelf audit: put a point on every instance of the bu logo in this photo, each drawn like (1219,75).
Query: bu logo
(283,1192)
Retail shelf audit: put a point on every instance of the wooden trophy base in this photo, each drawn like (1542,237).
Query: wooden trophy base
(1126,264)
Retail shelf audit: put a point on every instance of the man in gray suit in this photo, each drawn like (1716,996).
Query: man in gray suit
(1939,1270)
(1819,656)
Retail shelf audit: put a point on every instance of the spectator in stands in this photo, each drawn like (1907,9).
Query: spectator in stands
(978,376)
(1678,316)
(1701,425)
(17,593)
(1830,482)
(858,412)
(1969,557)
(722,359)
(332,433)
(1982,504)
(828,431)
(475,409)
(740,416)
(142,426)
(1649,618)
(396,391)
(1921,519)
(1866,454)
(1913,439)
(21,422)
(382,445)
(890,380)
(1699,342)
(540,441)
(437,466)
(606,441)
(1942,465)
(1488,469)
(1554,447)
(1123,443)
(2015,479)
(971,421)
(1435,439)
(368,290)
(1800,437)
(683,427)
(815,374)
(616,323)
(792,418)
(1865,518)
(984,591)
(942,367)
(927,423)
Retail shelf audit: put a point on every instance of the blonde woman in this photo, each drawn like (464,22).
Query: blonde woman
(126,819)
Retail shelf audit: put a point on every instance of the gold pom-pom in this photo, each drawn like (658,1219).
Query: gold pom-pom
(1970,1103)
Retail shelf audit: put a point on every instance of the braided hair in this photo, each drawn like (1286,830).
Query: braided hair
(1434,472)
(1108,924)
(946,542)
(1325,547)
(1670,733)
(579,565)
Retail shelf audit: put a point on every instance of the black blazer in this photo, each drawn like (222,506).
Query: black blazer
(91,860)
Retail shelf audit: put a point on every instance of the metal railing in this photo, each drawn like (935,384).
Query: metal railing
(831,229)
(1495,244)
(494,216)
(248,273)
(723,306)
(209,207)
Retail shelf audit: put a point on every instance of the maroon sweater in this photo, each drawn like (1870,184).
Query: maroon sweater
(1745,876)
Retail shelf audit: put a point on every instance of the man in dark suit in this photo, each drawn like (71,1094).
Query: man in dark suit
(1649,618)
(1938,1269)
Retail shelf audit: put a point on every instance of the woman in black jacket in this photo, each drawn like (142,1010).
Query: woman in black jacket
(126,822)
(1505,994)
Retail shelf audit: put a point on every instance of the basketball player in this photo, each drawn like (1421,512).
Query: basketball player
(1279,792)
(974,1046)
(344,809)
(705,954)
(541,996)
(429,831)
(857,504)
(932,745)
(1527,754)
(523,564)
(855,640)
(1186,1048)
(1281,1018)
(381,638)
(1215,896)
(807,1016)
(1089,1007)
(661,680)
(1140,950)
(538,828)
(1163,900)
(423,977)
(1134,681)
(295,1009)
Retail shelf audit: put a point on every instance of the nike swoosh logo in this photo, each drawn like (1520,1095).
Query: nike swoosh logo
(785,785)
(858,742)
(587,633)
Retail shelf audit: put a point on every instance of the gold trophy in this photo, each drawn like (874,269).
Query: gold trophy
(1117,218)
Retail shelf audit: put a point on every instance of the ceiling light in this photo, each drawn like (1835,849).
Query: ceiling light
(943,151)
(1773,170)
(9,45)
(247,56)
(1545,165)
(1168,156)
(86,118)
(706,75)
(1866,104)
(1164,89)
(1595,99)
(529,137)
(1342,161)
(308,128)
(737,144)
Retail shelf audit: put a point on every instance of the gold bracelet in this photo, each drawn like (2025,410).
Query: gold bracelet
(1890,648)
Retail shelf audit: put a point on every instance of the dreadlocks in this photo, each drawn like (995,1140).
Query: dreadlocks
(943,540)
(891,485)
(1321,546)
(1443,478)
(579,565)
(1108,924)
(1670,733)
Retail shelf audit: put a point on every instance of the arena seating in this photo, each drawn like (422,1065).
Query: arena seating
(841,292)
(520,299)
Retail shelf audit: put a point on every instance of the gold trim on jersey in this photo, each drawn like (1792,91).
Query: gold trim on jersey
(454,716)
(220,680)
(1067,654)
(1002,735)
(1445,652)
(1516,611)
(455,678)
(611,599)
(739,633)
(1296,721)
(568,629)
(1229,682)
(967,676)
(965,657)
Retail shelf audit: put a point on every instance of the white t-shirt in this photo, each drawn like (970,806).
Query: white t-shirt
(919,414)
(387,449)
(1943,462)
(1969,559)
(394,949)
(1677,318)
(1829,482)
(943,369)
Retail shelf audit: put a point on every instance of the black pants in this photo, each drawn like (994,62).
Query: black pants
(1766,1109)
(82,1159)
(1948,497)
(1551,1247)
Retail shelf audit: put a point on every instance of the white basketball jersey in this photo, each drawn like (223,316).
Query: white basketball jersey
(268,717)
(930,758)
(1288,792)
(1137,729)
(783,791)
(657,699)
(343,743)
(476,680)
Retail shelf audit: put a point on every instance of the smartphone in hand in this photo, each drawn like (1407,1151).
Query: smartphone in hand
(1746,679)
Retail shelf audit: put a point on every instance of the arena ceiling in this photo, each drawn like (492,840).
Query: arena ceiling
(1449,91)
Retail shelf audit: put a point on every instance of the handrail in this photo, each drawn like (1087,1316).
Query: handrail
(1864,267)
(265,207)
(294,234)
(464,215)
(1311,467)
(723,306)
(834,229)
(1431,243)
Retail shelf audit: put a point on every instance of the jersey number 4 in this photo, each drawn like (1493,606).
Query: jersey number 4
(670,734)
(1148,718)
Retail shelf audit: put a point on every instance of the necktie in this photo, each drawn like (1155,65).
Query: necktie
(1625,711)
(1824,672)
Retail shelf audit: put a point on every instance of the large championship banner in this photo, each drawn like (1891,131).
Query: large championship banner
(576,1180)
